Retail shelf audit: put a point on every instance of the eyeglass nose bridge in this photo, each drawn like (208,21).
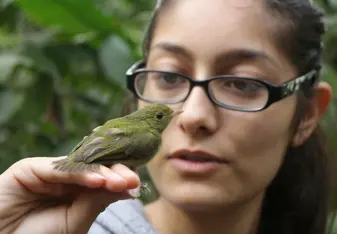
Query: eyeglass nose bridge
(204,84)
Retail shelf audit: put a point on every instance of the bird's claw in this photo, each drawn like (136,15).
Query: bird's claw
(144,188)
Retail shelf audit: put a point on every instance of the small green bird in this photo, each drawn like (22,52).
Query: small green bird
(131,140)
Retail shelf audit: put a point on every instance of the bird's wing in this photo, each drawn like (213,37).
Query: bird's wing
(140,149)
(96,146)
(91,135)
(78,145)
(145,144)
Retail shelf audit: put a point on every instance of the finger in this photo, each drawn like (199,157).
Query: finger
(131,177)
(114,182)
(38,176)
(92,202)
(34,172)
(135,192)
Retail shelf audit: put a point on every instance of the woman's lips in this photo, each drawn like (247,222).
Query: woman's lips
(194,166)
(196,162)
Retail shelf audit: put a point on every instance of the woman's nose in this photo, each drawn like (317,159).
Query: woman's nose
(199,116)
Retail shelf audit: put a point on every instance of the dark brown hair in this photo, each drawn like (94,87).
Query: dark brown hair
(297,200)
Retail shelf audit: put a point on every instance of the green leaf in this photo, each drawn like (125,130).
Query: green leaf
(333,222)
(37,100)
(49,128)
(72,16)
(41,38)
(8,62)
(8,39)
(329,75)
(333,3)
(41,62)
(22,79)
(5,3)
(10,103)
(115,57)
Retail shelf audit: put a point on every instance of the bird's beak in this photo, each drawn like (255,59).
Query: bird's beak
(177,113)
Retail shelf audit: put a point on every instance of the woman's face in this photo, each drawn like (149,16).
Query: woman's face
(203,39)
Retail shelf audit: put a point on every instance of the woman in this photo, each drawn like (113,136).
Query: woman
(245,157)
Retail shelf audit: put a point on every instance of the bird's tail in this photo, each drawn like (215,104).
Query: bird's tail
(67,165)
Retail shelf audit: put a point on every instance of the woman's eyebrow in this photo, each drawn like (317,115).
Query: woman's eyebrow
(174,49)
(241,55)
(236,55)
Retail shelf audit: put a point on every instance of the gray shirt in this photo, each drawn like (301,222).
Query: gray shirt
(122,217)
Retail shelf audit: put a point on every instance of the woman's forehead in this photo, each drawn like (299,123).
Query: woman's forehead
(209,29)
(209,25)
(216,10)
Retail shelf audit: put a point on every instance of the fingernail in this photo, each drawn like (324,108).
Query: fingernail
(134,192)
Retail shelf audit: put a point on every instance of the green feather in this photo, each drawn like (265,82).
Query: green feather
(131,140)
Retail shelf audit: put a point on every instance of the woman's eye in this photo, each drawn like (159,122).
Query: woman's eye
(169,79)
(243,85)
(165,80)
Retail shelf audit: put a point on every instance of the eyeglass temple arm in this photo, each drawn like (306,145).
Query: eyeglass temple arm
(307,80)
(134,67)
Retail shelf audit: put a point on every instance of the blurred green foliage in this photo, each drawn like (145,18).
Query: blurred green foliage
(62,66)
(62,70)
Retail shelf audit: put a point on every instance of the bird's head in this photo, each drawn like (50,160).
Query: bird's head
(158,116)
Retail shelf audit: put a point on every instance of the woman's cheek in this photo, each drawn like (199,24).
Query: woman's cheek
(260,142)
(253,133)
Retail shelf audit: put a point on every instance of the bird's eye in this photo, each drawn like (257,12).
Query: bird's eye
(159,116)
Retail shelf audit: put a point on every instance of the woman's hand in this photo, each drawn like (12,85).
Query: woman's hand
(35,198)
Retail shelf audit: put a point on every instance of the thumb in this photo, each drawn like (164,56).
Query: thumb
(88,205)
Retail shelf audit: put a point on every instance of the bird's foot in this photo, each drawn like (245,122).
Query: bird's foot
(144,188)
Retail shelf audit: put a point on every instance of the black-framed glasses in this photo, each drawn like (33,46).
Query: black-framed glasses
(227,91)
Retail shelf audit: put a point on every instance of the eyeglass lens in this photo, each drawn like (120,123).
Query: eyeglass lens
(173,88)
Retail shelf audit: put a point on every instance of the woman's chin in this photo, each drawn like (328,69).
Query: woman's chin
(197,204)
(198,198)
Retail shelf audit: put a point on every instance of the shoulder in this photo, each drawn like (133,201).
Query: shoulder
(122,217)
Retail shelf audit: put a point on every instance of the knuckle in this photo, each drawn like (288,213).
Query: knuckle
(22,163)
(119,166)
(28,160)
